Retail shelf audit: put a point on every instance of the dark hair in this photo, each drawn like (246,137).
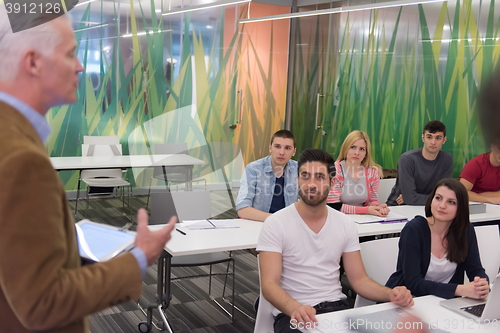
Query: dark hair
(435,126)
(489,107)
(285,134)
(317,155)
(457,233)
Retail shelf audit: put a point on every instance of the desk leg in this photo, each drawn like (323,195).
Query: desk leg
(189,180)
(163,294)
(78,192)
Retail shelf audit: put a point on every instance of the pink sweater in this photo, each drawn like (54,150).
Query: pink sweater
(372,184)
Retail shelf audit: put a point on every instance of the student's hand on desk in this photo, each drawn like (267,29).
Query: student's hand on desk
(380,210)
(399,200)
(304,314)
(384,209)
(152,242)
(494,200)
(479,288)
(401,296)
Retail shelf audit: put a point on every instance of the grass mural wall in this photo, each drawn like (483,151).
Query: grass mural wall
(197,105)
(399,68)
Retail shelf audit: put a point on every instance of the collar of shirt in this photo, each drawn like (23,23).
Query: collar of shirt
(268,167)
(37,120)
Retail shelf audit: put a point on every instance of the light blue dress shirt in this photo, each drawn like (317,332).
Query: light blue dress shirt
(43,129)
(257,185)
(37,120)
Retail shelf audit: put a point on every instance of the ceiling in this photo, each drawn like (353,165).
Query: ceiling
(104,10)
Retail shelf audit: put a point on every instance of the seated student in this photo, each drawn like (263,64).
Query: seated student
(435,251)
(270,183)
(357,178)
(420,169)
(481,177)
(300,250)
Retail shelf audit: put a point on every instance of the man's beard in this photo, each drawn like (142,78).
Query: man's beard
(313,202)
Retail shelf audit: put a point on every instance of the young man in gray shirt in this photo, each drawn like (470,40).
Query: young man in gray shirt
(420,169)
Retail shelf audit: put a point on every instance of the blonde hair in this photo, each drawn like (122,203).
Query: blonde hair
(367,162)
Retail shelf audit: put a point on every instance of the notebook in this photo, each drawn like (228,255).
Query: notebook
(480,310)
(390,218)
(100,242)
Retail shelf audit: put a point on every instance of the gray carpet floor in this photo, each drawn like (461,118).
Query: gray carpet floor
(191,309)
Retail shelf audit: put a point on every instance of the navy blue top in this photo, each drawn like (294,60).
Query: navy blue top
(414,258)
(278,196)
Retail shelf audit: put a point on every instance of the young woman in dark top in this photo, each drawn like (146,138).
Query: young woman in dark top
(434,252)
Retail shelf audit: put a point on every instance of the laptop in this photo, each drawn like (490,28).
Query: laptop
(479,310)
(186,205)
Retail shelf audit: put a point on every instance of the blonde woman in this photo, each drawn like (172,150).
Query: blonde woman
(357,178)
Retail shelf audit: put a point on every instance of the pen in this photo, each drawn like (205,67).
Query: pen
(182,232)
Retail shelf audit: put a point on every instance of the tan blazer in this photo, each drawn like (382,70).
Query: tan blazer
(42,286)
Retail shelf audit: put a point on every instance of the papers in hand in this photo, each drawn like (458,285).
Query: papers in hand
(391,217)
(210,224)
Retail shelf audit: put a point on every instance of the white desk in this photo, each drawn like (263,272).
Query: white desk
(426,308)
(127,161)
(123,161)
(492,216)
(200,242)
(214,240)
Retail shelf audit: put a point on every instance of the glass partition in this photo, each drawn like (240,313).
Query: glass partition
(392,70)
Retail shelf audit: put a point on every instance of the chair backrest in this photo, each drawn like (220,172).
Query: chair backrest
(264,321)
(385,188)
(101,150)
(101,140)
(379,258)
(187,205)
(171,148)
(101,173)
(488,241)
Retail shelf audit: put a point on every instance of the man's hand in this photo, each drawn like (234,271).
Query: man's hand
(401,296)
(399,200)
(304,314)
(152,242)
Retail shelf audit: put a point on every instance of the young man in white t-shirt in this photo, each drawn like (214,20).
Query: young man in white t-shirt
(300,249)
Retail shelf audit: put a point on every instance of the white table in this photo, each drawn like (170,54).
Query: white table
(127,161)
(122,161)
(199,242)
(214,240)
(492,216)
(426,308)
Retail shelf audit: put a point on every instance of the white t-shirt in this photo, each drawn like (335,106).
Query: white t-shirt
(310,271)
(440,270)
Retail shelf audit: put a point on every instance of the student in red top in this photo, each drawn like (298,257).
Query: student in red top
(481,176)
